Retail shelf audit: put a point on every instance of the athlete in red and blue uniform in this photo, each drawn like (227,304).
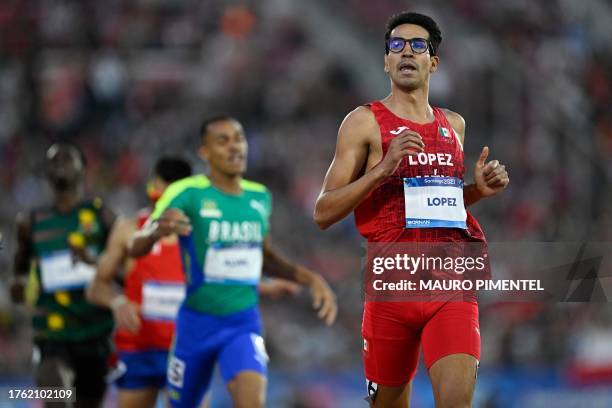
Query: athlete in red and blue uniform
(156,284)
(388,153)
(154,287)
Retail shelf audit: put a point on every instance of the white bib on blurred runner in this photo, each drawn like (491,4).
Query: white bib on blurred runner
(234,263)
(161,300)
(60,272)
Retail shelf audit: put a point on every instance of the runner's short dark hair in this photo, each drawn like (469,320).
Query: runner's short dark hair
(216,117)
(63,144)
(428,23)
(171,169)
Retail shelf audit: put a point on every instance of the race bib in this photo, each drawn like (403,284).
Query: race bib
(234,263)
(161,300)
(59,272)
(434,202)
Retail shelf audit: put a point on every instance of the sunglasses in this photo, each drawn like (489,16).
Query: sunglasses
(417,45)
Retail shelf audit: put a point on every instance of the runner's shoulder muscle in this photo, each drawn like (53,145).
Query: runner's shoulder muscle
(357,136)
(358,129)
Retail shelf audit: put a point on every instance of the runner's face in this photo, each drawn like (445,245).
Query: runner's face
(159,184)
(225,147)
(407,69)
(64,167)
(155,188)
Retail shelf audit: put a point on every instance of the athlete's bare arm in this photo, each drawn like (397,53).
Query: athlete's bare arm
(323,299)
(357,169)
(23,258)
(489,178)
(102,290)
(143,240)
(275,288)
(172,221)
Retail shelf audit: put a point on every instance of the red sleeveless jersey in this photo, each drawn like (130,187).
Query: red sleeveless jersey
(381,216)
(157,284)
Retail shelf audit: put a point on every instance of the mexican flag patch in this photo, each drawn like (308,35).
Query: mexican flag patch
(444,132)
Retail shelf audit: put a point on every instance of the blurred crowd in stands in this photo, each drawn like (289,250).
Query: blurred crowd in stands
(129,81)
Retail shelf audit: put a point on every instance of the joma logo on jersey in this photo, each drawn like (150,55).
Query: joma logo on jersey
(440,159)
(226,231)
(398,130)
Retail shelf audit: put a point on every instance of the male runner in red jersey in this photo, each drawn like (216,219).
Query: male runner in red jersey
(380,147)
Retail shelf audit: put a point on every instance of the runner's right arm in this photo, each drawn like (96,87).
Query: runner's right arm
(172,221)
(343,187)
(167,218)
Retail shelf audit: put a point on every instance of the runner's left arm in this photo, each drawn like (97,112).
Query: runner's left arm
(323,298)
(102,290)
(489,178)
(275,288)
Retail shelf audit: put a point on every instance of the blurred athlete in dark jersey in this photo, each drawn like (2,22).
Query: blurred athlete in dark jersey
(57,247)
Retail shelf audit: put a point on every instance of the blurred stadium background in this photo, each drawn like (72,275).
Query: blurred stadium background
(130,80)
